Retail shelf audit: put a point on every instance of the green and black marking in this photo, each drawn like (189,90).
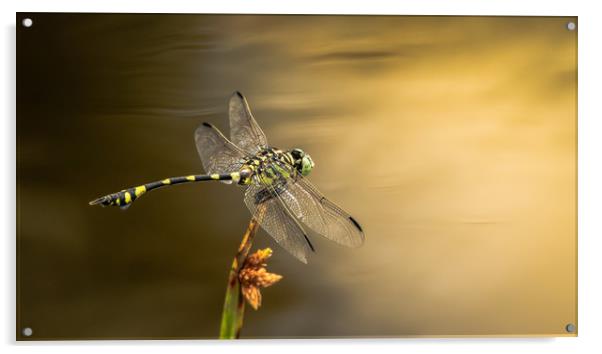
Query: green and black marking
(126,197)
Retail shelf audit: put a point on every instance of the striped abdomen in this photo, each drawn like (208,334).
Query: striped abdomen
(125,197)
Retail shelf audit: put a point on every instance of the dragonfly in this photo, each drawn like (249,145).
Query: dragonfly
(276,189)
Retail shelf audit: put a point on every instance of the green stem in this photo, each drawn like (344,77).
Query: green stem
(234,304)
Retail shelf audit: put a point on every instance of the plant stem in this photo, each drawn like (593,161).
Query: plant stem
(234,303)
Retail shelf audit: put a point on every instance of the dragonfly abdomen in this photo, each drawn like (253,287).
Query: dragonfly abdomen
(126,197)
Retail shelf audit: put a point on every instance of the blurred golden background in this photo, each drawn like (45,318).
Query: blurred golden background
(451,139)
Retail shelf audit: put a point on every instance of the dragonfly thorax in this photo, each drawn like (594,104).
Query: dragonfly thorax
(271,164)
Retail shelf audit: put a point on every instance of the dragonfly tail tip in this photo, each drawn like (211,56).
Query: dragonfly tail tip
(95,201)
(99,201)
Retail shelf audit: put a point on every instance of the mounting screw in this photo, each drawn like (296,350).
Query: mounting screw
(27,22)
(571,26)
(27,332)
(570,328)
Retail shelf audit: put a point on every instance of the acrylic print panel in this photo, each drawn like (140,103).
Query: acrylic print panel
(448,144)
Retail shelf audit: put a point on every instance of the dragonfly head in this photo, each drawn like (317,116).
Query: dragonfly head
(302,161)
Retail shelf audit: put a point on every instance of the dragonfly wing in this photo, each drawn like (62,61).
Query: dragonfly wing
(274,217)
(320,214)
(217,153)
(244,130)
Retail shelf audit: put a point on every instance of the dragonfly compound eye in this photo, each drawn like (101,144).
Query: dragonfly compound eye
(297,154)
(307,164)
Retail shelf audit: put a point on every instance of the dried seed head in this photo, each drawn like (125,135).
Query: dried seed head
(253,296)
(259,258)
(254,276)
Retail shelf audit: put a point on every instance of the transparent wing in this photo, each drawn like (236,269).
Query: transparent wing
(320,214)
(277,221)
(217,153)
(244,130)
